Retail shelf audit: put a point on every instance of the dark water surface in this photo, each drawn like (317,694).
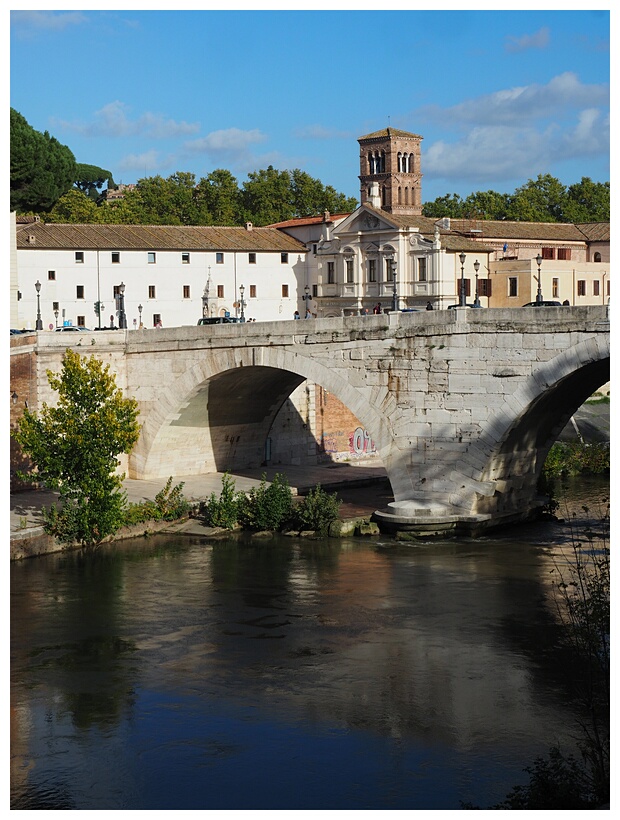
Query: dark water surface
(182,673)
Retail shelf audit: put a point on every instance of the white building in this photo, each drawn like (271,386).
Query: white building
(173,275)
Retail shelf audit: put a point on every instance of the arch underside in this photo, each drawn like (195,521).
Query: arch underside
(516,465)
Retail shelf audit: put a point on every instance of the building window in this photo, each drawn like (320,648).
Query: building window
(117,291)
(79,256)
(185,257)
(252,291)
(284,258)
(512,286)
(186,291)
(51,275)
(608,287)
(220,291)
(389,270)
(157,320)
(219,258)
(79,292)
(555,287)
(285,291)
(314,249)
(349,266)
(372,270)
(252,258)
(151,291)
(596,288)
(564,253)
(581,287)
(116,257)
(81,320)
(55,306)
(152,257)
(315,291)
(422,269)
(331,276)
(548,253)
(597,257)
(484,286)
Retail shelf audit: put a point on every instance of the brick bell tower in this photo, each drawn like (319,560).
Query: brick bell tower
(391,158)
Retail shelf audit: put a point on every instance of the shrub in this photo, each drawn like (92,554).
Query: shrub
(266,507)
(223,511)
(317,510)
(170,504)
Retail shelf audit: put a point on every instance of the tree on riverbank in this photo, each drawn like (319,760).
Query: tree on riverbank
(74,447)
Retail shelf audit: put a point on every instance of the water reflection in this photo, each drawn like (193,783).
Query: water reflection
(289,674)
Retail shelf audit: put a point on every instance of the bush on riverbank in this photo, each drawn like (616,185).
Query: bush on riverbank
(569,458)
(169,505)
(271,507)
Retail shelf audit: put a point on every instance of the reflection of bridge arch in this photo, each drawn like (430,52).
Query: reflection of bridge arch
(217,415)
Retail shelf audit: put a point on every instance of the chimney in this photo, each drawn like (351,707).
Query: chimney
(326,227)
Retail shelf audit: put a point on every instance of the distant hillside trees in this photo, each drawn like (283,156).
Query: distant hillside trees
(544,199)
(267,196)
(90,179)
(42,169)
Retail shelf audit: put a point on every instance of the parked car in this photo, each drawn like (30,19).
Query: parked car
(79,328)
(471,305)
(546,303)
(218,320)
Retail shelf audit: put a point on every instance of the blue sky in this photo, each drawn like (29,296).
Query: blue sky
(499,96)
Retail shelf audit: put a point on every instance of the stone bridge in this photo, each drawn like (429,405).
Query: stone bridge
(462,405)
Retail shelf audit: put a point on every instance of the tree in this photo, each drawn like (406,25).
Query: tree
(90,179)
(219,199)
(42,169)
(74,207)
(74,447)
(267,196)
(588,201)
(539,200)
(448,205)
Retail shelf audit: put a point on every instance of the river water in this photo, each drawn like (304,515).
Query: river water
(183,673)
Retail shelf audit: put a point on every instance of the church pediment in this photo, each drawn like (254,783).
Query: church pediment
(365,220)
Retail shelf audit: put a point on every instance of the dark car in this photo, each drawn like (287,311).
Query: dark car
(546,303)
(218,320)
(471,305)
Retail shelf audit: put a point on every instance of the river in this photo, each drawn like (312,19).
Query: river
(286,673)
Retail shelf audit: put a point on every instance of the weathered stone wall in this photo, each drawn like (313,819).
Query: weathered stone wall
(461,405)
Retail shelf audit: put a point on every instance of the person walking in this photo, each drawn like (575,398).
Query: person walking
(377,308)
(429,306)
(296,315)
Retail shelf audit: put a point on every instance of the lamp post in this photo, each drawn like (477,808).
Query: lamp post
(122,319)
(56,315)
(462,298)
(392,265)
(140,313)
(306,300)
(476,297)
(539,296)
(39,324)
(242,302)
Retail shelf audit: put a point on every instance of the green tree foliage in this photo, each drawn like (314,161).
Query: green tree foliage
(74,447)
(223,511)
(544,199)
(90,179)
(74,207)
(42,169)
(219,198)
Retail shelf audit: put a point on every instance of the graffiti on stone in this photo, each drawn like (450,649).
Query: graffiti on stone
(360,442)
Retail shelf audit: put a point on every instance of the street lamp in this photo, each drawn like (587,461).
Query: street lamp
(392,265)
(140,312)
(462,298)
(539,296)
(242,302)
(56,315)
(306,299)
(476,297)
(122,319)
(39,325)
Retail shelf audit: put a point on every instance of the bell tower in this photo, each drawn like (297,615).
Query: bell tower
(391,158)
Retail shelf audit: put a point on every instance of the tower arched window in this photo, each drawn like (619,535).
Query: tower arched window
(400,161)
(597,257)
(383,196)
(406,163)
(406,196)
(400,195)
(382,162)
(371,163)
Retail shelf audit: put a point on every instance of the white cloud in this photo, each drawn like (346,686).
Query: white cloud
(522,104)
(139,163)
(540,39)
(113,120)
(227,141)
(31,21)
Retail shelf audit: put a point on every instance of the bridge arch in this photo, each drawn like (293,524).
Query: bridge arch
(216,416)
(531,421)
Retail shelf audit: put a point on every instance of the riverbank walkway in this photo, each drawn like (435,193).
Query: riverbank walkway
(344,478)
